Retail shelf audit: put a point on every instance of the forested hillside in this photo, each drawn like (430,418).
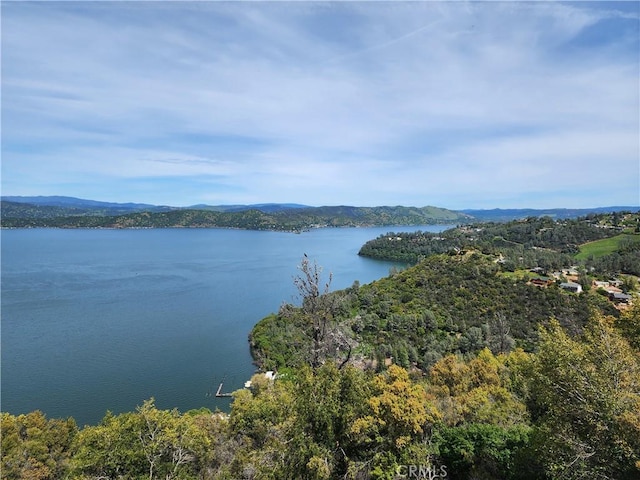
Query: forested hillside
(445,304)
(535,241)
(21,215)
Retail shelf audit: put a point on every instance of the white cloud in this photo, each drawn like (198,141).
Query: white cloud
(322,103)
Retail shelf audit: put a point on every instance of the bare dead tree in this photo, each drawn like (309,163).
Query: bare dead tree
(499,339)
(328,340)
(315,307)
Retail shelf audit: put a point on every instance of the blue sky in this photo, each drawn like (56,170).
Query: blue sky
(452,104)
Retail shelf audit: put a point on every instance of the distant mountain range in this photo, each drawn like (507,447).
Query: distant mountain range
(72,202)
(263,207)
(71,212)
(505,215)
(82,206)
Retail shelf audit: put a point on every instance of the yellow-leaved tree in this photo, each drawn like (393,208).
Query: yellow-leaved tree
(399,425)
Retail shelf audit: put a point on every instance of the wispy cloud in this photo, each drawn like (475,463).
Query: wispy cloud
(455,104)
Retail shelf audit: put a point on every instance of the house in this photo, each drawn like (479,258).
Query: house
(571,287)
(573,271)
(541,281)
(611,290)
(269,375)
(619,297)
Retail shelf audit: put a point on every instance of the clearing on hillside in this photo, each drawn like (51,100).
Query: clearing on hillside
(603,247)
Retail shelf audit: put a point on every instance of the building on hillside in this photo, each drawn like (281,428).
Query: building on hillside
(541,281)
(269,375)
(611,290)
(619,297)
(571,287)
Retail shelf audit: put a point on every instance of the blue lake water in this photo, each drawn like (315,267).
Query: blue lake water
(97,320)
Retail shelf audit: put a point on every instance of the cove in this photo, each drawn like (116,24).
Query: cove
(97,320)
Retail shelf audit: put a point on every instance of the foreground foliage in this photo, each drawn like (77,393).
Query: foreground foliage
(570,410)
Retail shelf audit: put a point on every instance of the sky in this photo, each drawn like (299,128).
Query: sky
(452,104)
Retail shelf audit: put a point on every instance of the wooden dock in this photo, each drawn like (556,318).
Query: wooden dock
(219,392)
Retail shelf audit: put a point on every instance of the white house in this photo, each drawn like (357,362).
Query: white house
(572,287)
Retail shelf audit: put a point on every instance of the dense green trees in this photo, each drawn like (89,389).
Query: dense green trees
(485,451)
(149,443)
(34,447)
(586,399)
(445,304)
(532,242)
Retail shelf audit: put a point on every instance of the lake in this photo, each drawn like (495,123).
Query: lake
(97,320)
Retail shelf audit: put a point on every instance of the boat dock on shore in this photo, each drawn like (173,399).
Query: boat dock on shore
(219,393)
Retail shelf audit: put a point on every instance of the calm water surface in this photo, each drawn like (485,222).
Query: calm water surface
(97,320)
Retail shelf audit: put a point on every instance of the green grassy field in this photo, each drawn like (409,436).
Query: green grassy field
(519,275)
(600,248)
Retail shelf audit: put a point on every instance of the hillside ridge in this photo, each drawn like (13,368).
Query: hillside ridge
(72,212)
